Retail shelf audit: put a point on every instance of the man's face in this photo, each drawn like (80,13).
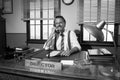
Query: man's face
(59,24)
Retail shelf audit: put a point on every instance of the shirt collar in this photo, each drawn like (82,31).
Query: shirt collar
(64,33)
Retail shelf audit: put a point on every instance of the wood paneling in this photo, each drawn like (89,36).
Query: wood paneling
(2,36)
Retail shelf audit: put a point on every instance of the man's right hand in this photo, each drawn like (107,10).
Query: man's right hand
(65,53)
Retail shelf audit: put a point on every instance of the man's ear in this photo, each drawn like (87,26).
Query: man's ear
(54,25)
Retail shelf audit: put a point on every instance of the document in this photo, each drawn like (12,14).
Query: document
(100,51)
(105,51)
(67,62)
(94,52)
(54,53)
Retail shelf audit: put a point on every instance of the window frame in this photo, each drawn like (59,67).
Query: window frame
(57,11)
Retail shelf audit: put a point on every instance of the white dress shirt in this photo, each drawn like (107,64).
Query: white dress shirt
(73,41)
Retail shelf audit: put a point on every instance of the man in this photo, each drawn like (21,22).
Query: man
(59,33)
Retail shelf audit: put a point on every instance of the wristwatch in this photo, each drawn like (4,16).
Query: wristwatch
(67,2)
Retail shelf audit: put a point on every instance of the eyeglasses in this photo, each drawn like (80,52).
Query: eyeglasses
(57,24)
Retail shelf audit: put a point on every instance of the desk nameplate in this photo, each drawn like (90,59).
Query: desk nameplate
(41,64)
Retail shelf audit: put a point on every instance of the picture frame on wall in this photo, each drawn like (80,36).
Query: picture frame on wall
(8,6)
(1,4)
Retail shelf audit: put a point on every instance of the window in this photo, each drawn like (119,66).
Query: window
(39,16)
(93,11)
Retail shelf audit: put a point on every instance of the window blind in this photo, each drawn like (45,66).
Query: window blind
(108,10)
(90,10)
(29,6)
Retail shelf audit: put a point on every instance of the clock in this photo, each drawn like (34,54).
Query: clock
(67,2)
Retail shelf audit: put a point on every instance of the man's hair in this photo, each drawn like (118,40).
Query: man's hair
(61,18)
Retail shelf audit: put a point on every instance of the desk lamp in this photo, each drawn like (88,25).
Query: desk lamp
(96,31)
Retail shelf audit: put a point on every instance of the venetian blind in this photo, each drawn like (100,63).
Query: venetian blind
(37,4)
(108,10)
(90,10)
(97,10)
(117,11)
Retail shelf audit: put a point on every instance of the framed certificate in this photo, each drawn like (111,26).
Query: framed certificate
(8,6)
(1,4)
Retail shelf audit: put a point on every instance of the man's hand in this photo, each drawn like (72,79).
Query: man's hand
(65,53)
(68,52)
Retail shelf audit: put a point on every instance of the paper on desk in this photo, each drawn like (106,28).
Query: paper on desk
(54,53)
(93,51)
(67,62)
(36,49)
(105,51)
(100,51)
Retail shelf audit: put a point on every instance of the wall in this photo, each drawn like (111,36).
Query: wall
(70,14)
(16,28)
(14,24)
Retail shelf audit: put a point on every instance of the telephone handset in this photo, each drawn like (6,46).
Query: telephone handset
(57,31)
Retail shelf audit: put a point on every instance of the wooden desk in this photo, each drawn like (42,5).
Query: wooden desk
(13,70)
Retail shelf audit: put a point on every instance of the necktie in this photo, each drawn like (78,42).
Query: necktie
(62,42)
